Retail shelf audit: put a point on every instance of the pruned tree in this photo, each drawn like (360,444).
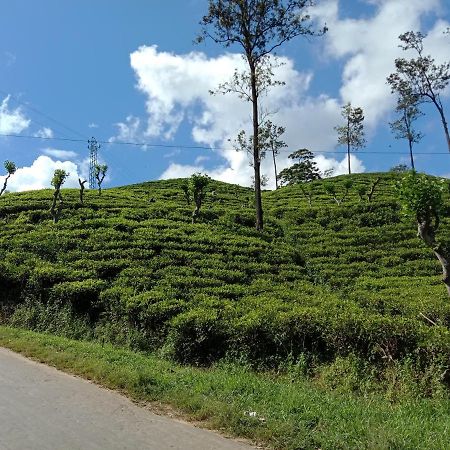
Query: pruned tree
(307,192)
(59,177)
(420,77)
(352,133)
(10,168)
(100,173)
(403,127)
(305,169)
(421,196)
(197,186)
(367,192)
(186,191)
(338,197)
(258,27)
(82,188)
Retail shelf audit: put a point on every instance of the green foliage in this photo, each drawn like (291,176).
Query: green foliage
(100,173)
(304,170)
(322,283)
(10,167)
(421,195)
(59,177)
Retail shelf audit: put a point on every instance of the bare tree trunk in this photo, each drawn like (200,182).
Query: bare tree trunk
(256,153)
(56,212)
(427,232)
(444,122)
(348,159)
(4,184)
(411,154)
(275,167)
(372,189)
(81,183)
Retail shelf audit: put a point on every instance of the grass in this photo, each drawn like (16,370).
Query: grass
(290,413)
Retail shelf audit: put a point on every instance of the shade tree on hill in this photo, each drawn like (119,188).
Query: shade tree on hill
(10,168)
(421,196)
(82,183)
(100,173)
(420,78)
(351,134)
(197,187)
(59,177)
(258,27)
(305,168)
(408,112)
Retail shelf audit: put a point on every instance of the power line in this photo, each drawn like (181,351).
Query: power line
(201,147)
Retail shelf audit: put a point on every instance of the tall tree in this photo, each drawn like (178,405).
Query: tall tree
(258,27)
(352,133)
(421,196)
(59,177)
(305,169)
(421,77)
(100,173)
(403,127)
(10,168)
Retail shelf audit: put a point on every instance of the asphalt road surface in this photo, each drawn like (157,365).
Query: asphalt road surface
(42,408)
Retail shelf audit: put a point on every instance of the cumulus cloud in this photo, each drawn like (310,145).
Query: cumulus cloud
(60,154)
(128,131)
(369,47)
(12,121)
(44,133)
(40,173)
(177,88)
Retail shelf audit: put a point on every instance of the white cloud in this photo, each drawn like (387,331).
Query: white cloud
(39,175)
(93,125)
(177,88)
(60,154)
(369,47)
(128,131)
(12,121)
(44,133)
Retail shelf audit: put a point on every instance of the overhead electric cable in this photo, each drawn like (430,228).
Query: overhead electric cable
(200,147)
(31,108)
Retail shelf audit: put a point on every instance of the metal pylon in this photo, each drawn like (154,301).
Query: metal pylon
(93,155)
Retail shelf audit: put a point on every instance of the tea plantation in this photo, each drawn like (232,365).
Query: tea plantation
(323,284)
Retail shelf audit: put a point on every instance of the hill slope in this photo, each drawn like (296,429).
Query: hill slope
(322,281)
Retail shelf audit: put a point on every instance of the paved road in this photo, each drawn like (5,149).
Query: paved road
(42,408)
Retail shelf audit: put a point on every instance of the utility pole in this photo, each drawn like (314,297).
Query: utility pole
(93,155)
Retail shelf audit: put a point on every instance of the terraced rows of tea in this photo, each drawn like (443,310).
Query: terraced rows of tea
(322,280)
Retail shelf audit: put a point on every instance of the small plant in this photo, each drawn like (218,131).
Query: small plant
(81,183)
(100,173)
(11,170)
(59,177)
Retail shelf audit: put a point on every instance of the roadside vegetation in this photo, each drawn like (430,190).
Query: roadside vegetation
(285,411)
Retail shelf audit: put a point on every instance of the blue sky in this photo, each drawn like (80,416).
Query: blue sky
(129,71)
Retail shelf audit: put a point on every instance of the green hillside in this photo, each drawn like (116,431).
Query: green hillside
(322,283)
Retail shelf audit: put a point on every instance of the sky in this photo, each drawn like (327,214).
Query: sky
(130,72)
